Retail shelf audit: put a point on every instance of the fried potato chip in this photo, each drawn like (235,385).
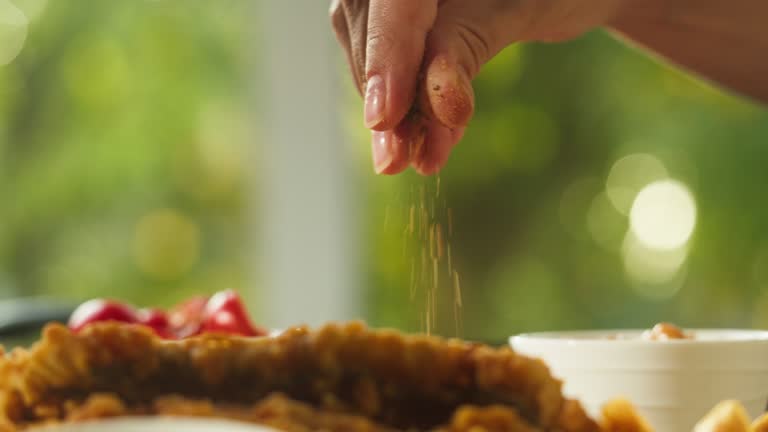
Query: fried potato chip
(619,415)
(727,416)
(760,424)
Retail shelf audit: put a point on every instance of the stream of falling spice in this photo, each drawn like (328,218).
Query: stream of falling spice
(428,232)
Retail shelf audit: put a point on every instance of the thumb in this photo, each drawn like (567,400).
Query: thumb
(465,36)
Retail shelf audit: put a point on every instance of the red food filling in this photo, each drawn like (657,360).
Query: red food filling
(223,312)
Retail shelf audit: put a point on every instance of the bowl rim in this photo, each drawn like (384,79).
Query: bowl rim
(712,337)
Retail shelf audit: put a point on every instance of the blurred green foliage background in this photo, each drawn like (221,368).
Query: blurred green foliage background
(124,133)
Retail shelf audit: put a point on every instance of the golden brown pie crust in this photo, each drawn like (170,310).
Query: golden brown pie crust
(340,377)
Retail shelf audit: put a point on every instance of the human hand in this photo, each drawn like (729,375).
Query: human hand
(413,61)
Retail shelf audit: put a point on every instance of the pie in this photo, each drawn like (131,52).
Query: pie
(339,377)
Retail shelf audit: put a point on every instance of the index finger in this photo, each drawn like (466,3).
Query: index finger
(397,31)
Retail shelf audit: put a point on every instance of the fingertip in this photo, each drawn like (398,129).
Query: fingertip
(438,143)
(375,97)
(395,168)
(456,135)
(381,151)
(390,152)
(426,170)
(408,138)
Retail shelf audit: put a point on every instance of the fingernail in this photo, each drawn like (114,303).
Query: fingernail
(382,151)
(374,101)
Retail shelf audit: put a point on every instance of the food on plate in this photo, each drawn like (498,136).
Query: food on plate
(346,372)
(222,312)
(665,331)
(205,358)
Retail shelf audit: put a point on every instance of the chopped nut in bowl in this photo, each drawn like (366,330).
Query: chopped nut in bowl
(666,331)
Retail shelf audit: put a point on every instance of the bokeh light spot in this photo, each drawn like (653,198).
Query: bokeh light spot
(13,31)
(628,175)
(166,245)
(663,215)
(653,271)
(32,9)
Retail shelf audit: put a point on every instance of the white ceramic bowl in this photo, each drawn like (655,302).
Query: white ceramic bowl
(156,424)
(672,383)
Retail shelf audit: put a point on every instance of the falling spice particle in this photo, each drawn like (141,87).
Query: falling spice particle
(432,241)
(457,288)
(411,219)
(413,278)
(457,325)
(456,319)
(450,267)
(435,274)
(433,305)
(439,240)
(450,222)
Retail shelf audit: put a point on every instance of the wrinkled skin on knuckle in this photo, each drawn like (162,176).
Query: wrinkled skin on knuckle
(358,36)
(477,45)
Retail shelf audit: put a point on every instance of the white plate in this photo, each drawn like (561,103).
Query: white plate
(156,424)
